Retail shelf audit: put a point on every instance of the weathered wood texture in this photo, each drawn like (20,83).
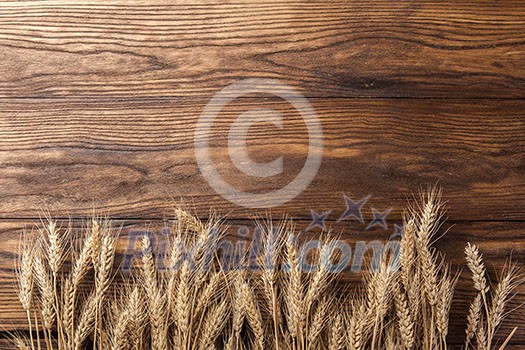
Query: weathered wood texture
(99,101)
(496,240)
(346,48)
(130,157)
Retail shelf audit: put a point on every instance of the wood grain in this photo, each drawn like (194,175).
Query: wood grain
(130,158)
(99,102)
(325,49)
(497,241)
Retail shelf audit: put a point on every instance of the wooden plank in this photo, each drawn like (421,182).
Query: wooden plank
(130,157)
(162,48)
(497,240)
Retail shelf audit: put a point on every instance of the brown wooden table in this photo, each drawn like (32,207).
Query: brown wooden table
(99,101)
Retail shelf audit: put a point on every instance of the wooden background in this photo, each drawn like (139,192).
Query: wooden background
(99,101)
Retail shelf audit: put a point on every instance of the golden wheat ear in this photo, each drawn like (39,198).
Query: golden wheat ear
(487,311)
(510,279)
(24,265)
(281,307)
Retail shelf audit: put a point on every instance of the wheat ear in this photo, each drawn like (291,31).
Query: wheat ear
(473,319)
(502,294)
(156,299)
(213,325)
(337,334)
(86,322)
(405,320)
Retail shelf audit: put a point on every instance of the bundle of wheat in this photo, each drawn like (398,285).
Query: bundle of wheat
(197,304)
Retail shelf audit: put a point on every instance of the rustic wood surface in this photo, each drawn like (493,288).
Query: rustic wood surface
(460,48)
(99,101)
(129,157)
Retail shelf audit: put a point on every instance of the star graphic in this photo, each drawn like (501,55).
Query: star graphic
(379,218)
(318,219)
(398,232)
(353,208)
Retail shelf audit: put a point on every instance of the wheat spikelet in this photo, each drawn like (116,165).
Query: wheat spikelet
(382,280)
(407,255)
(371,281)
(477,267)
(136,316)
(105,263)
(501,296)
(55,247)
(210,291)
(318,323)
(86,322)
(173,280)
(68,309)
(473,319)
(294,293)
(510,279)
(358,323)
(426,222)
(80,268)
(272,245)
(182,303)
(337,338)
(213,325)
(81,263)
(321,278)
(428,215)
(481,338)
(429,274)
(156,300)
(96,242)
(446,290)
(119,334)
(253,315)
(239,310)
(102,281)
(414,293)
(405,320)
(25,274)
(47,296)
(384,277)
(148,268)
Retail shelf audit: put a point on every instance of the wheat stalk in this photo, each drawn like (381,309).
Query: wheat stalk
(156,299)
(405,320)
(198,305)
